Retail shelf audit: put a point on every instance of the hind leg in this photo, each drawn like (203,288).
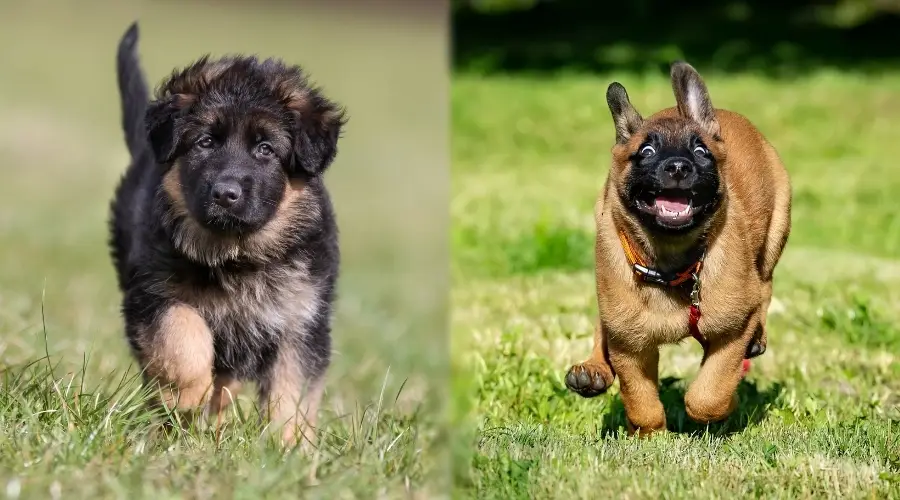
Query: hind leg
(595,375)
(757,346)
(224,393)
(776,239)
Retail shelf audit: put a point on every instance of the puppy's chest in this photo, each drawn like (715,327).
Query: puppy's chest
(658,315)
(256,304)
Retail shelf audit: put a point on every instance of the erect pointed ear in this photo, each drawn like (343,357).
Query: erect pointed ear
(317,124)
(692,97)
(163,131)
(625,118)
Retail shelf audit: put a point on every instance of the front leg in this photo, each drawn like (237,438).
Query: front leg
(639,386)
(712,397)
(593,376)
(175,350)
(290,395)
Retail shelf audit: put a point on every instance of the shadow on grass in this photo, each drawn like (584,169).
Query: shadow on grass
(767,36)
(752,408)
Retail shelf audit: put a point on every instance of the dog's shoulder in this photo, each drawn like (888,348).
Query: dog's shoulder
(754,171)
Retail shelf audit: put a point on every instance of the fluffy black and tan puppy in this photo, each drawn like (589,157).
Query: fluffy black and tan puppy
(223,234)
(694,195)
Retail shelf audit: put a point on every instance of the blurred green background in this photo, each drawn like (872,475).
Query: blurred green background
(61,153)
(819,414)
(766,36)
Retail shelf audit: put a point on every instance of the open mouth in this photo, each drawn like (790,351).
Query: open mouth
(672,208)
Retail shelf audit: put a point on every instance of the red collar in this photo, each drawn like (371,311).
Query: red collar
(650,275)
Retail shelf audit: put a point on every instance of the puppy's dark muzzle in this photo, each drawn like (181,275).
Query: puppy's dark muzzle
(227,193)
(677,173)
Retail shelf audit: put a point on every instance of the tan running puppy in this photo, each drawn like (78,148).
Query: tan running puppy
(694,196)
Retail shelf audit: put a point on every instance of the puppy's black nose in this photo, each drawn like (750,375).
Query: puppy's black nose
(226,193)
(678,169)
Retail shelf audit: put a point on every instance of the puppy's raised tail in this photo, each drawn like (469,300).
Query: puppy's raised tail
(132,90)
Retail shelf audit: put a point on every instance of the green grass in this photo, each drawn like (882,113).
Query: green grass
(820,411)
(74,424)
(102,442)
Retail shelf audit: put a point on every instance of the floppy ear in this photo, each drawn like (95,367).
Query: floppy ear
(316,129)
(162,127)
(692,97)
(625,118)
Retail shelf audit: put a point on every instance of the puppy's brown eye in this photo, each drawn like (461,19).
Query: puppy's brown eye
(205,142)
(700,151)
(265,149)
(647,151)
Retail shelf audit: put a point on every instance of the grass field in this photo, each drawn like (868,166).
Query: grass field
(820,411)
(73,425)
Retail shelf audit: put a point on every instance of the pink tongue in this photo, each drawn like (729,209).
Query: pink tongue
(672,204)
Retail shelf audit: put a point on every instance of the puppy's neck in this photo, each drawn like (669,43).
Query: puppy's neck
(675,254)
(666,253)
